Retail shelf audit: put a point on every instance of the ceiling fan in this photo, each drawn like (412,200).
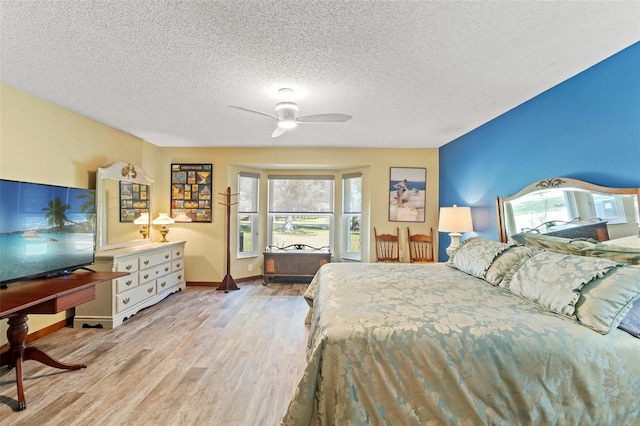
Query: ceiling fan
(287,114)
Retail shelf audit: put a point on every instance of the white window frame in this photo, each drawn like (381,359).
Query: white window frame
(249,209)
(349,212)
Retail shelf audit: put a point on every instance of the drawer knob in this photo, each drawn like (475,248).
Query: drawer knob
(126,300)
(162,284)
(166,269)
(146,276)
(150,289)
(128,267)
(166,256)
(180,276)
(128,282)
(178,265)
(146,262)
(177,253)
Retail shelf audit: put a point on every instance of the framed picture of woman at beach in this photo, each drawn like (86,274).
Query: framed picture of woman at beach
(407,194)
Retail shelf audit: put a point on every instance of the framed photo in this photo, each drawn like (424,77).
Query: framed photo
(191,186)
(407,194)
(134,200)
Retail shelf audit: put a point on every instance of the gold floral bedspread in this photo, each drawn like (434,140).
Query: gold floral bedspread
(410,344)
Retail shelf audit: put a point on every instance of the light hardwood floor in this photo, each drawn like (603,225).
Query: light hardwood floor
(200,357)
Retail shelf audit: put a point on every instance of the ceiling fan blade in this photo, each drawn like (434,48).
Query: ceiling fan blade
(323,118)
(253,111)
(279,131)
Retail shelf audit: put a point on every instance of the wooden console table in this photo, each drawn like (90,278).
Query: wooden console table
(293,263)
(47,296)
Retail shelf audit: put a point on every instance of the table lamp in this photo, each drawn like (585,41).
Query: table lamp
(455,220)
(164,221)
(143,221)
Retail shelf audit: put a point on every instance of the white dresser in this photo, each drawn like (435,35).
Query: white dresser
(156,270)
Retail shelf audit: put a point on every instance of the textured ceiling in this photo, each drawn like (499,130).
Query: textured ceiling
(412,74)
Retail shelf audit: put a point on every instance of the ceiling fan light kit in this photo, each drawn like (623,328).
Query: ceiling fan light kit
(287,114)
(287,124)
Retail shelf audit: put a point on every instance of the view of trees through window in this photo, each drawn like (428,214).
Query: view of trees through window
(248,184)
(352,213)
(533,210)
(301,210)
(314,231)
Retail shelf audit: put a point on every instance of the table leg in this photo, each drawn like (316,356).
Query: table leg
(18,352)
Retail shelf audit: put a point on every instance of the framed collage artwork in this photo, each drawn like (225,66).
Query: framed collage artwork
(191,186)
(134,200)
(407,194)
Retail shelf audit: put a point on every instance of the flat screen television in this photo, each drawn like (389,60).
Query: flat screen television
(45,230)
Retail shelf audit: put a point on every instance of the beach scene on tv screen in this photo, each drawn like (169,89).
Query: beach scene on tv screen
(44,228)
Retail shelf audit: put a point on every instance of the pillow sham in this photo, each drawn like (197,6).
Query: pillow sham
(475,255)
(554,280)
(505,262)
(606,300)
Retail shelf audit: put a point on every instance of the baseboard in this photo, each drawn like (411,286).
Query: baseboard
(47,330)
(217,283)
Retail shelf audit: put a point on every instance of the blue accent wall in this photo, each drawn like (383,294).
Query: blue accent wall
(587,128)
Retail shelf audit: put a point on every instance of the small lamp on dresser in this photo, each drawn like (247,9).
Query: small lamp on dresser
(143,221)
(163,220)
(455,220)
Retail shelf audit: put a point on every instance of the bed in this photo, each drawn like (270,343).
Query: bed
(491,337)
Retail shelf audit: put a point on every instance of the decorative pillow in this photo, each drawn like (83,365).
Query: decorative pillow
(631,321)
(607,299)
(504,262)
(554,280)
(475,255)
(613,252)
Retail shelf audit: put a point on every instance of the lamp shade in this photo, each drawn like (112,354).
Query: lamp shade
(163,219)
(143,219)
(181,217)
(455,219)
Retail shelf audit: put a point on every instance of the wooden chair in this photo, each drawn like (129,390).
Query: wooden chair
(387,246)
(420,247)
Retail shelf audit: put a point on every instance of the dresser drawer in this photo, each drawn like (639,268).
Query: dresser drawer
(126,283)
(177,265)
(169,281)
(134,296)
(163,283)
(177,253)
(153,273)
(149,260)
(127,265)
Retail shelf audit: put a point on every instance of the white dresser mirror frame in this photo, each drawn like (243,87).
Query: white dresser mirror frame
(112,233)
(589,205)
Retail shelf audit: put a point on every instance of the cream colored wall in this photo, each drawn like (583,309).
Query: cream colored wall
(41,142)
(206,251)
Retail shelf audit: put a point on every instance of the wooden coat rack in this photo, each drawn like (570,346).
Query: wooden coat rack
(228,283)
